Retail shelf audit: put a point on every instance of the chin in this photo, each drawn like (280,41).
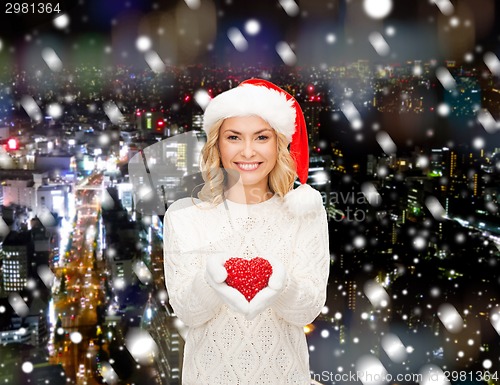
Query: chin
(251,181)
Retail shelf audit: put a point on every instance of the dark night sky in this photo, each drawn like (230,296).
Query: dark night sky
(104,33)
(421,30)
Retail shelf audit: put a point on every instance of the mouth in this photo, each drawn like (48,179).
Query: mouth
(248,166)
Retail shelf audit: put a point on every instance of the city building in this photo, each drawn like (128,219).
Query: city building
(150,121)
(57,164)
(19,192)
(37,194)
(30,328)
(16,252)
(55,198)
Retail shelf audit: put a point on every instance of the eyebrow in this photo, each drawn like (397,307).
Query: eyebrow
(255,133)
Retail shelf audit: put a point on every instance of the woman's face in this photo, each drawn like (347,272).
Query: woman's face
(248,145)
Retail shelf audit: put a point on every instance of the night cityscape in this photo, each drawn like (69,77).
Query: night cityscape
(100,131)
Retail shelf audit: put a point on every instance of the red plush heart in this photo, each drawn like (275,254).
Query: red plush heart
(248,276)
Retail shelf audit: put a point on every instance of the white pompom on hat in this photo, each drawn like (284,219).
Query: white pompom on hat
(258,97)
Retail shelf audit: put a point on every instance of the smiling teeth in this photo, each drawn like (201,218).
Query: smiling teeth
(248,166)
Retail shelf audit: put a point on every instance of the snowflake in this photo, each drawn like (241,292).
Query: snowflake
(377,9)
(379,44)
(237,39)
(290,6)
(252,27)
(143,43)
(286,53)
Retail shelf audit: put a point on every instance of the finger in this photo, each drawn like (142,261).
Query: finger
(263,296)
(220,274)
(261,301)
(216,270)
(277,279)
(276,282)
(234,298)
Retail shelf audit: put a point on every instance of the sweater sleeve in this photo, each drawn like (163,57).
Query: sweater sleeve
(304,294)
(190,296)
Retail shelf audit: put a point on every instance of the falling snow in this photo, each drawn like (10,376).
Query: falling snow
(113,112)
(445,6)
(290,7)
(492,62)
(286,53)
(331,38)
(450,318)
(445,78)
(371,369)
(143,43)
(352,114)
(443,109)
(486,120)
(410,308)
(379,44)
(236,37)
(61,21)
(386,143)
(27,367)
(52,59)
(394,348)
(376,294)
(435,207)
(141,346)
(31,108)
(154,61)
(202,97)
(377,9)
(193,4)
(252,27)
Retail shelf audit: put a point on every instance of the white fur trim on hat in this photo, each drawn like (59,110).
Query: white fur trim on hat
(304,201)
(253,100)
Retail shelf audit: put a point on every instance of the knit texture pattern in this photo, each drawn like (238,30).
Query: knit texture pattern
(222,347)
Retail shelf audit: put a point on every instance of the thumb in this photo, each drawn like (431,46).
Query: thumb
(262,300)
(215,269)
(278,276)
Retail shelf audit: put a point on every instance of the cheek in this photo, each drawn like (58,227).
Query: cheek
(225,154)
(274,161)
(272,154)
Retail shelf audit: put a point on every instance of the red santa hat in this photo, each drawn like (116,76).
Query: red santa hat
(258,97)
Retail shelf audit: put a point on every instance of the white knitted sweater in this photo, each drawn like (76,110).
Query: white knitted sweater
(222,347)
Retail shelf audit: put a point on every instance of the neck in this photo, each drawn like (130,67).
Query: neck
(239,193)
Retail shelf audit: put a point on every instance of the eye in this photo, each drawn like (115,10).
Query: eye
(263,137)
(232,137)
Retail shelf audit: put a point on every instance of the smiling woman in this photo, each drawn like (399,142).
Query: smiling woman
(248,147)
(245,270)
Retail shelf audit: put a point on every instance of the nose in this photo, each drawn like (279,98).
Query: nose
(248,150)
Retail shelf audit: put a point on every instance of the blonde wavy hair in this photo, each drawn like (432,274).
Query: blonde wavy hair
(281,177)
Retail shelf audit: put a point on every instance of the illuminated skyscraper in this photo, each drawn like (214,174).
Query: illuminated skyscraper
(311,115)
(351,295)
(150,121)
(16,250)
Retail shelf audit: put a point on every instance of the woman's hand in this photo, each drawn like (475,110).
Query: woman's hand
(216,275)
(277,279)
(266,297)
